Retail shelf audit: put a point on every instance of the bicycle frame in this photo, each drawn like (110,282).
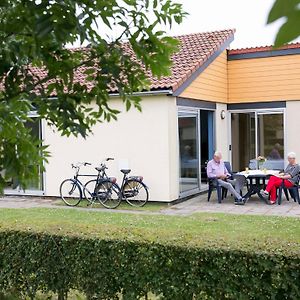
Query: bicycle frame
(100,176)
(102,188)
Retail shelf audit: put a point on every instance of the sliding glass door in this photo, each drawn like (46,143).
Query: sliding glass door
(271,136)
(189,151)
(196,147)
(257,133)
(242,139)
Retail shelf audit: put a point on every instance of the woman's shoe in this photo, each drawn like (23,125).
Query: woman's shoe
(272,202)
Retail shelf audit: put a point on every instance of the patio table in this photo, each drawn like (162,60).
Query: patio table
(257,181)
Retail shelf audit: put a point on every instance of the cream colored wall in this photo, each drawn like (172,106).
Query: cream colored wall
(148,140)
(264,79)
(211,84)
(222,131)
(173,148)
(292,123)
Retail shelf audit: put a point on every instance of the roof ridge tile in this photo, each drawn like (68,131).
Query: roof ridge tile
(264,48)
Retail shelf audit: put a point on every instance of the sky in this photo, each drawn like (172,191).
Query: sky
(248,17)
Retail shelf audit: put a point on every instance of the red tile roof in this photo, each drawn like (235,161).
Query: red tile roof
(195,50)
(263,49)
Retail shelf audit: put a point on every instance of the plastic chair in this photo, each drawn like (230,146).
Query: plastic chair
(212,185)
(229,169)
(294,193)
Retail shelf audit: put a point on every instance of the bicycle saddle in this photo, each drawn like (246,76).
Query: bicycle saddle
(127,171)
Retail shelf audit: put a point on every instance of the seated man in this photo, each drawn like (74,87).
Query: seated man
(217,170)
(289,178)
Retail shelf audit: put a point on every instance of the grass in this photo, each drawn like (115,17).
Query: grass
(150,206)
(262,233)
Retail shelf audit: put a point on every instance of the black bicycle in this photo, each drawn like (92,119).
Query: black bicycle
(133,189)
(103,189)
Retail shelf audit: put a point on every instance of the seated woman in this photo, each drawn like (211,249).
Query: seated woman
(289,178)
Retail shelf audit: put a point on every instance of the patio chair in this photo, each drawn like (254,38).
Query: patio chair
(294,193)
(229,169)
(212,185)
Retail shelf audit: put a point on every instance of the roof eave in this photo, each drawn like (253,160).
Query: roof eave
(262,54)
(148,93)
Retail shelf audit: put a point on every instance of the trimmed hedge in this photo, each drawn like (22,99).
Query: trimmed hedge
(105,269)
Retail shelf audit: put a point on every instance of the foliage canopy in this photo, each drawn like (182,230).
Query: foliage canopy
(34,36)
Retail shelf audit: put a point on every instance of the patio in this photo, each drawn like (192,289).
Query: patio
(253,207)
(197,204)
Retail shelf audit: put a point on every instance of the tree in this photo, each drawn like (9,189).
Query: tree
(290,29)
(37,71)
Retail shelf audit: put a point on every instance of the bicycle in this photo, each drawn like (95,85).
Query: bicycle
(103,188)
(133,189)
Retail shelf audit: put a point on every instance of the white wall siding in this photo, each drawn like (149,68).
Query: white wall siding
(292,123)
(148,140)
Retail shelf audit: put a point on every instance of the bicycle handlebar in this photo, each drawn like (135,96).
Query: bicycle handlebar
(79,164)
(103,166)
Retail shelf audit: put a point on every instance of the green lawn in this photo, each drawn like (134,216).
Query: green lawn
(203,229)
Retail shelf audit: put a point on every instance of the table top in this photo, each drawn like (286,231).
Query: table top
(258,173)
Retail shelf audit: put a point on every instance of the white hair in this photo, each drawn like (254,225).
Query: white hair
(292,155)
(218,154)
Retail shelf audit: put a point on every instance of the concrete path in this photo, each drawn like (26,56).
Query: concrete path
(253,207)
(195,205)
(25,202)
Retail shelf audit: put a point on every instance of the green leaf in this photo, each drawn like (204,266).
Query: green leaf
(289,31)
(282,8)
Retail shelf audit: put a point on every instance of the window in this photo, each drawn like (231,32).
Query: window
(257,133)
(37,184)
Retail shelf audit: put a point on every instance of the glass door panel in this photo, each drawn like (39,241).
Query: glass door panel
(254,134)
(189,152)
(242,140)
(37,183)
(271,139)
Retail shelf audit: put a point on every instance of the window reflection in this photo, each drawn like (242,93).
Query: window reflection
(189,164)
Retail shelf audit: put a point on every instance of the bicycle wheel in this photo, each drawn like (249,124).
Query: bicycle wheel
(135,192)
(70,192)
(109,194)
(89,191)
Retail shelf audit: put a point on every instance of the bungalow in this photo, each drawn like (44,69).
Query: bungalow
(243,102)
